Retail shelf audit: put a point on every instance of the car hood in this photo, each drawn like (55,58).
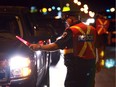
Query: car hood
(9,45)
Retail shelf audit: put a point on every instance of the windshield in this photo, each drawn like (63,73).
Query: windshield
(8,24)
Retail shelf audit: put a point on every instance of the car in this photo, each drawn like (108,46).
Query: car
(19,65)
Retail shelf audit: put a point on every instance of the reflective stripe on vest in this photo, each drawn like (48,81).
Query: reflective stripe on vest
(85,43)
(102,24)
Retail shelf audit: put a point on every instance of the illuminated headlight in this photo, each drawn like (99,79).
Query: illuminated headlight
(19,66)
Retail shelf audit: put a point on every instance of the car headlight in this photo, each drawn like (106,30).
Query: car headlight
(19,66)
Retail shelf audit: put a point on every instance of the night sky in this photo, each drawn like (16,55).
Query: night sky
(98,5)
(94,5)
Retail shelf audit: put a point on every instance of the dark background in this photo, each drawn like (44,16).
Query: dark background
(94,5)
(98,5)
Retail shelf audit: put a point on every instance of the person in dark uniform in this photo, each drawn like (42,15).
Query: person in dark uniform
(79,42)
(102,25)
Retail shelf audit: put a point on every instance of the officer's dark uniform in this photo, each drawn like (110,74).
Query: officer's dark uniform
(80,72)
(102,25)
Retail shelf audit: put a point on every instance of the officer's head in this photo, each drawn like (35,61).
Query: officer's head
(71,17)
(70,13)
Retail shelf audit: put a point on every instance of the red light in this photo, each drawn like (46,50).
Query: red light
(23,41)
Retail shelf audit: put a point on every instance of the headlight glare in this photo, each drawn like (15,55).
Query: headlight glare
(19,66)
(26,71)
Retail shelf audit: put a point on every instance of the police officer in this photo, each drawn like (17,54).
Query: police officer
(102,26)
(79,44)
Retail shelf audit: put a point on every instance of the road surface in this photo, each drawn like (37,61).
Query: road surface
(105,78)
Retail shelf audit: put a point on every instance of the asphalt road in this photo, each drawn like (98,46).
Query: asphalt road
(105,78)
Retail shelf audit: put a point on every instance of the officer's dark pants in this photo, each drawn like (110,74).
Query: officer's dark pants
(80,72)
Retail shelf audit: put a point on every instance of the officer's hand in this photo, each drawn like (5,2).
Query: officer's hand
(35,47)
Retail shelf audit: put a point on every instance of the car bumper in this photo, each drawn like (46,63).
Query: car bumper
(18,82)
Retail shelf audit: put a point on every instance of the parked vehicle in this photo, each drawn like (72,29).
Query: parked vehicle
(19,65)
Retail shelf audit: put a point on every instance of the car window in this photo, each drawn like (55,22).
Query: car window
(9,24)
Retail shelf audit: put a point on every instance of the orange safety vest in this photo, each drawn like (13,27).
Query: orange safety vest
(102,25)
(83,49)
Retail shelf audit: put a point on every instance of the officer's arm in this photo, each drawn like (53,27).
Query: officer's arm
(48,47)
(58,44)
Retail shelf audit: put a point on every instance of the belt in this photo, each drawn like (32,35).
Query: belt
(67,51)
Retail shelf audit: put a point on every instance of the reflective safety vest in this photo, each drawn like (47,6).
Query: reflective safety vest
(102,25)
(83,42)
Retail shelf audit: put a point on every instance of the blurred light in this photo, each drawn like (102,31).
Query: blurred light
(58,8)
(44,10)
(33,9)
(26,71)
(65,8)
(85,6)
(109,63)
(75,1)
(34,27)
(107,10)
(102,62)
(40,10)
(89,21)
(79,3)
(102,53)
(82,9)
(59,15)
(38,52)
(23,41)
(19,66)
(49,9)
(67,4)
(19,62)
(85,11)
(91,14)
(109,16)
(53,8)
(112,9)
